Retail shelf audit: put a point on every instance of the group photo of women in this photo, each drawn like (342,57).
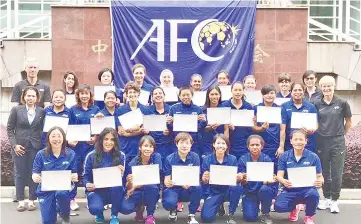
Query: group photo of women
(140,148)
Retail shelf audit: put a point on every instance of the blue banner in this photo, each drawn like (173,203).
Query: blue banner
(186,37)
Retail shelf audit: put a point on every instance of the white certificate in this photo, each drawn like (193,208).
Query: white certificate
(107,177)
(144,97)
(260,171)
(100,90)
(131,119)
(171,94)
(185,122)
(59,180)
(302,176)
(199,98)
(254,97)
(185,175)
(226,92)
(219,115)
(243,118)
(52,121)
(304,120)
(280,101)
(271,115)
(155,122)
(70,100)
(79,132)
(98,124)
(223,175)
(146,175)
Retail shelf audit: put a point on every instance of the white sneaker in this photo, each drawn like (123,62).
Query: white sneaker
(334,207)
(73,205)
(324,204)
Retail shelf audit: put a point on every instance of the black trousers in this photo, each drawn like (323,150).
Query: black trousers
(332,152)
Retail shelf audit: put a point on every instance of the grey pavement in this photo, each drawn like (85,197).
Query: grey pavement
(350,214)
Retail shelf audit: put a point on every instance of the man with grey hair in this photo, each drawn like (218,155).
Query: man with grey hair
(32,70)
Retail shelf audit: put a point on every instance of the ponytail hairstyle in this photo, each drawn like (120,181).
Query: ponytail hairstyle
(238,82)
(99,150)
(145,138)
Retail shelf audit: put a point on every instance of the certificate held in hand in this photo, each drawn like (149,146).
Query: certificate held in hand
(226,92)
(107,177)
(304,120)
(131,119)
(144,97)
(185,175)
(146,175)
(57,180)
(223,175)
(199,98)
(155,122)
(271,115)
(171,94)
(79,132)
(302,176)
(70,100)
(242,118)
(98,124)
(253,97)
(52,121)
(100,90)
(185,122)
(219,115)
(260,171)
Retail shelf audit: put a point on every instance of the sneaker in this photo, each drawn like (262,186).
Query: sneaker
(221,210)
(231,219)
(293,217)
(308,220)
(114,220)
(66,219)
(334,207)
(199,209)
(180,207)
(73,205)
(150,220)
(324,204)
(99,218)
(266,218)
(192,219)
(272,209)
(173,216)
(302,207)
(139,214)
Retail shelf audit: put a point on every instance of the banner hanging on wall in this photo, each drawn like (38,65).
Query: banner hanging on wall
(186,37)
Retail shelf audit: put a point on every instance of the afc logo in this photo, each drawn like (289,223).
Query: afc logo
(208,36)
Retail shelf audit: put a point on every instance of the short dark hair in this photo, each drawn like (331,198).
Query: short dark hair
(101,72)
(37,93)
(256,137)
(185,88)
(267,89)
(297,83)
(284,77)
(306,74)
(110,92)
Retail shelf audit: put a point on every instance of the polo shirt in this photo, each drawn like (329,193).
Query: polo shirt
(49,111)
(192,159)
(331,117)
(288,160)
(155,158)
(279,95)
(315,96)
(207,136)
(44,91)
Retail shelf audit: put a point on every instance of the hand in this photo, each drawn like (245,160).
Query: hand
(231,127)
(36,178)
(280,151)
(169,119)
(318,183)
(265,126)
(129,193)
(254,119)
(214,126)
(19,150)
(130,179)
(121,169)
(74,177)
(121,132)
(308,131)
(186,187)
(244,178)
(205,177)
(90,187)
(202,117)
(271,181)
(166,132)
(145,131)
(98,115)
(287,183)
(168,183)
(92,140)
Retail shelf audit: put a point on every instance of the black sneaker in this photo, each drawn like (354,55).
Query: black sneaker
(221,210)
(231,219)
(173,215)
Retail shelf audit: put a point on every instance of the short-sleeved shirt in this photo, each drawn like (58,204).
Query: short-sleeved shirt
(315,96)
(155,158)
(288,160)
(279,95)
(286,110)
(331,117)
(44,91)
(173,159)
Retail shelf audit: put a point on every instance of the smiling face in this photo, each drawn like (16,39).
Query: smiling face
(220,146)
(139,75)
(166,79)
(84,96)
(328,89)
(30,97)
(56,139)
(110,100)
(269,97)
(222,79)
(108,142)
(158,96)
(298,141)
(132,95)
(214,96)
(58,99)
(184,146)
(106,78)
(310,80)
(186,96)
(237,91)
(297,92)
(196,83)
(255,146)
(146,149)
(250,84)
(284,85)
(69,81)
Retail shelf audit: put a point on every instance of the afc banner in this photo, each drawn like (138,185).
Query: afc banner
(186,37)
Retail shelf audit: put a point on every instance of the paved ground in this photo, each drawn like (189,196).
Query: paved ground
(350,214)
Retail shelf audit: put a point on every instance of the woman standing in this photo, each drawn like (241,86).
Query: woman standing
(334,116)
(139,72)
(24,128)
(110,109)
(54,157)
(223,78)
(312,93)
(106,154)
(249,83)
(70,83)
(213,100)
(237,135)
(284,82)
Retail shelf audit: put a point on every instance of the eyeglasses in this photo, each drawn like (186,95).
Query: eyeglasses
(310,78)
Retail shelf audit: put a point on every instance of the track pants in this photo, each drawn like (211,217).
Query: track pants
(50,202)
(173,195)
(100,197)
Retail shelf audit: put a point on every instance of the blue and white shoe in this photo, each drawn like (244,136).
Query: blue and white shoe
(114,220)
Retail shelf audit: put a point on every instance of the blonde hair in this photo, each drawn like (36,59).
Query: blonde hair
(327,79)
(31,61)
(139,66)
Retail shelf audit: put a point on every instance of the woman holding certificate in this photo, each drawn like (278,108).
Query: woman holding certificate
(297,106)
(216,194)
(139,196)
(58,159)
(213,100)
(166,83)
(181,181)
(187,107)
(24,128)
(237,135)
(130,136)
(80,114)
(110,109)
(105,155)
